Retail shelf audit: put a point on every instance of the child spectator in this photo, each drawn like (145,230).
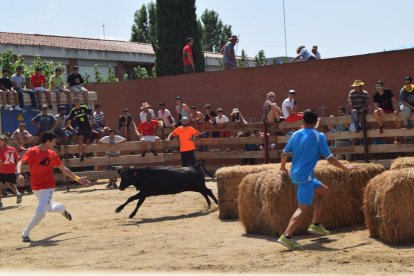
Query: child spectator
(38,85)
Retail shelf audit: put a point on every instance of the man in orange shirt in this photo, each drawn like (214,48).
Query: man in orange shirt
(186,135)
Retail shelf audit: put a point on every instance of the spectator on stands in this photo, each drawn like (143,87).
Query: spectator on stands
(221,121)
(315,52)
(196,117)
(187,136)
(99,122)
(165,116)
(63,132)
(290,108)
(210,115)
(384,102)
(271,112)
(57,85)
(188,60)
(6,90)
(19,85)
(407,101)
(75,84)
(145,109)
(22,137)
(111,140)
(236,117)
(146,134)
(358,103)
(303,53)
(81,114)
(229,55)
(342,142)
(38,85)
(182,109)
(44,121)
(125,123)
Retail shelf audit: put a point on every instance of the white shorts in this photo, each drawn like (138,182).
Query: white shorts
(78,89)
(150,138)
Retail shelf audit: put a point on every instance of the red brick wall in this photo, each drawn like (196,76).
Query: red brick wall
(325,82)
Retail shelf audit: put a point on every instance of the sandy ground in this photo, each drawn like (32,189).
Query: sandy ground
(175,233)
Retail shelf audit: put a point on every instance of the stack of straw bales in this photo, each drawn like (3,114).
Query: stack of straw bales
(267,199)
(228,181)
(389,206)
(402,162)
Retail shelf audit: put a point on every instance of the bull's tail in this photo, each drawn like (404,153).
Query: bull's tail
(200,166)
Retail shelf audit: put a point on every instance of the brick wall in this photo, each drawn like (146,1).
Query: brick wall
(325,82)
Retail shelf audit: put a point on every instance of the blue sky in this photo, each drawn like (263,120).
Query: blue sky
(339,28)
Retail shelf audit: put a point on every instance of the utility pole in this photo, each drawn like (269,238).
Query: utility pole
(284,25)
(103,30)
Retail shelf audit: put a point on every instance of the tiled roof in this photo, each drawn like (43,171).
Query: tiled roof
(75,43)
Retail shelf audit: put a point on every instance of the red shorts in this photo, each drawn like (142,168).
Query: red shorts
(294,118)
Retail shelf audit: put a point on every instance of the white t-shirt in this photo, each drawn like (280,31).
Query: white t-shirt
(224,119)
(107,139)
(143,115)
(18,80)
(164,117)
(287,103)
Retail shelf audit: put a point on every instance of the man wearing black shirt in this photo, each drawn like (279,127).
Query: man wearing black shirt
(384,102)
(75,84)
(124,124)
(81,114)
(6,86)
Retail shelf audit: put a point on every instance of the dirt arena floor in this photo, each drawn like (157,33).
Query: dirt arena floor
(172,234)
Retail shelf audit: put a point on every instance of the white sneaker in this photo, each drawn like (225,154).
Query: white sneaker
(7,107)
(18,108)
(11,108)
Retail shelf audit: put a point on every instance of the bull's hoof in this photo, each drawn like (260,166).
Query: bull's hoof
(119,209)
(131,216)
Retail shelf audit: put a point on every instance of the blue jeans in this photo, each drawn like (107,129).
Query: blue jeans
(32,95)
(356,119)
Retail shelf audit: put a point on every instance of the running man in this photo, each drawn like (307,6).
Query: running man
(306,146)
(8,162)
(41,160)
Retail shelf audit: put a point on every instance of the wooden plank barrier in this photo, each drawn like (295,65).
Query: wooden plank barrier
(93,97)
(236,153)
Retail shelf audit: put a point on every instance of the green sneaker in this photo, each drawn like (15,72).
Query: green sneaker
(318,230)
(289,243)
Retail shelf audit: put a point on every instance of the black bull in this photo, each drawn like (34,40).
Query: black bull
(154,181)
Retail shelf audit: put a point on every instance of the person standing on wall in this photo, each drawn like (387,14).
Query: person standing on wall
(188,59)
(229,55)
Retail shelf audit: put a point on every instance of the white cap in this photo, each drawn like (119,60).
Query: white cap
(292,91)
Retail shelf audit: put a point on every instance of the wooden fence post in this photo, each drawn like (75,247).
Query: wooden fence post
(266,143)
(365,136)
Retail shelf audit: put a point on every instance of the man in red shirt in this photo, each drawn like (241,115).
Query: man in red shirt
(187,136)
(8,162)
(41,160)
(38,85)
(188,57)
(146,134)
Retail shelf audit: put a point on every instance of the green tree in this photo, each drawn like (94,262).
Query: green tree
(176,21)
(260,58)
(242,62)
(86,78)
(152,23)
(98,74)
(214,33)
(140,73)
(139,30)
(111,75)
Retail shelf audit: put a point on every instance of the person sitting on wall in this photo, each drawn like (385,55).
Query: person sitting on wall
(38,85)
(303,53)
(271,111)
(6,91)
(290,108)
(407,101)
(146,134)
(19,85)
(57,85)
(75,84)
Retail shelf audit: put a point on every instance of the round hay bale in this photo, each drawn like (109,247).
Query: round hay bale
(402,162)
(389,206)
(228,181)
(267,199)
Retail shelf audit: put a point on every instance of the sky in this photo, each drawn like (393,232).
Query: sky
(338,27)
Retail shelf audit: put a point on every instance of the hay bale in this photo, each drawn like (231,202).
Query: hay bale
(228,181)
(267,199)
(389,206)
(402,162)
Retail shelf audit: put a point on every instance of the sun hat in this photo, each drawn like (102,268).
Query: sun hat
(291,91)
(145,105)
(235,110)
(357,83)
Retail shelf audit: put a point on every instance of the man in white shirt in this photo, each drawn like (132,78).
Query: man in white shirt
(166,117)
(145,108)
(315,52)
(289,108)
